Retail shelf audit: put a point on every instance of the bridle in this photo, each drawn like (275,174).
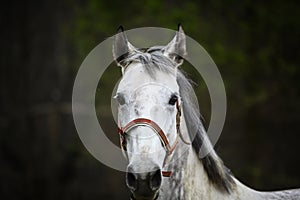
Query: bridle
(155,127)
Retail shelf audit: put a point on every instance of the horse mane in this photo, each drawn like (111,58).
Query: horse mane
(153,60)
(216,171)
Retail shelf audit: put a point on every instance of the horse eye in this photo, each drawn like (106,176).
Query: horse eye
(173,100)
(120,98)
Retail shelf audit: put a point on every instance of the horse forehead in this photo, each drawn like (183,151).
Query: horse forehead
(151,92)
(136,77)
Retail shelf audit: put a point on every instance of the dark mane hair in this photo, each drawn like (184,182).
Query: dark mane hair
(153,60)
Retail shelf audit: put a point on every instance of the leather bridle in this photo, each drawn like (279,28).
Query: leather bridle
(155,127)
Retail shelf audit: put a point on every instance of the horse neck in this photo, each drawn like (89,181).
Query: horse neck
(197,184)
(190,181)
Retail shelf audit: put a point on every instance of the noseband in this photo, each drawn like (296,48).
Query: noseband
(155,127)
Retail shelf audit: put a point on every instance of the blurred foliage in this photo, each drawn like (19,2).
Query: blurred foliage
(255,44)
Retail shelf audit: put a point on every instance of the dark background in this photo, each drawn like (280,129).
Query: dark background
(255,44)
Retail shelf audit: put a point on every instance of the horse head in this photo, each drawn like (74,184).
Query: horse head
(149,110)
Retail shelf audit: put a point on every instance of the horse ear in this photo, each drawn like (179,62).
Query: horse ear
(121,47)
(176,49)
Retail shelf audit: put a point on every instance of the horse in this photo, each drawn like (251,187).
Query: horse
(161,131)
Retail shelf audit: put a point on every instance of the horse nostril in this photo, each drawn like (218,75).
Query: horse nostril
(155,180)
(131,180)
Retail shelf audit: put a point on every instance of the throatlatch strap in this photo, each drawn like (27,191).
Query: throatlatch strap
(166,173)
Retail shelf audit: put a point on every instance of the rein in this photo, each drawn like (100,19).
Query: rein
(155,127)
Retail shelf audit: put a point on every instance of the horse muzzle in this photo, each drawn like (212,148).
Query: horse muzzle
(144,186)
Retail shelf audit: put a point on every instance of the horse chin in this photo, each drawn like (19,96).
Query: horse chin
(135,196)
